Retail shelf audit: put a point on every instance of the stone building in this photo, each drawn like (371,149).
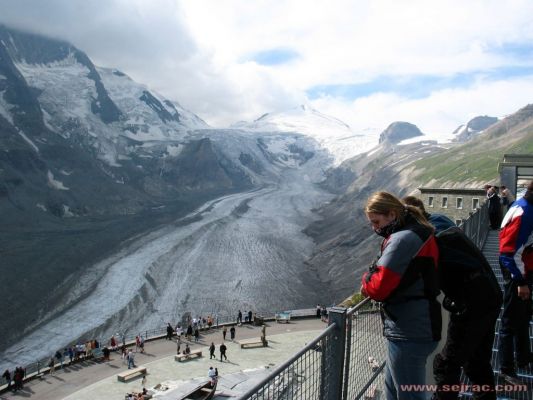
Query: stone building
(456,204)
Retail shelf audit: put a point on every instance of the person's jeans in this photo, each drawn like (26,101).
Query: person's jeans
(514,328)
(406,365)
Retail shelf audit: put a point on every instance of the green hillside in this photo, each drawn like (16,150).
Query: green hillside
(477,161)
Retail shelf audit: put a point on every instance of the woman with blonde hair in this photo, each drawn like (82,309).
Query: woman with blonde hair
(403,278)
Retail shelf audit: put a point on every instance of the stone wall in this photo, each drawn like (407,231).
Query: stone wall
(456,204)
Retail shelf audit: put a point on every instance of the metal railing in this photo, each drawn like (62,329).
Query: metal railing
(476,227)
(336,364)
(365,352)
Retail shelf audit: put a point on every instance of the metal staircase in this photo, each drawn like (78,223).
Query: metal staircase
(491,252)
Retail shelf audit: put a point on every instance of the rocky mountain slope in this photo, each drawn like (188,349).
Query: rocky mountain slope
(89,159)
(473,127)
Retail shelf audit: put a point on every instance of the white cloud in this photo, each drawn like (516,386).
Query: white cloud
(439,113)
(195,52)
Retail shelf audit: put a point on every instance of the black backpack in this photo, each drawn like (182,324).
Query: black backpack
(465,276)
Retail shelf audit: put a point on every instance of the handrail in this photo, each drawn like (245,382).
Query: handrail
(285,365)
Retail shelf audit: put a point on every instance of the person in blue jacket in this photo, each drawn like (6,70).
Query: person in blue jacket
(516,263)
(439,221)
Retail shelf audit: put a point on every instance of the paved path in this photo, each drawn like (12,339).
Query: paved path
(92,380)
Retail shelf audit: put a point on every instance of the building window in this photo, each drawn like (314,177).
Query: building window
(459,202)
(430,201)
(444,202)
(458,222)
(475,204)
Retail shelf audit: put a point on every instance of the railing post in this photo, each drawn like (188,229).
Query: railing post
(332,372)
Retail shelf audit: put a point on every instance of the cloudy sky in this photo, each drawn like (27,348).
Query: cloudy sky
(369,63)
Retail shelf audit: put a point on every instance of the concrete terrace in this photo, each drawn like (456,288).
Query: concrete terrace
(245,367)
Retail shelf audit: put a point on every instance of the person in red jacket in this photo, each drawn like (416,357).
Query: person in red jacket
(404,280)
(516,263)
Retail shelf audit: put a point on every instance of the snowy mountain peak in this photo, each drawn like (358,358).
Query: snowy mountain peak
(473,127)
(298,119)
(331,133)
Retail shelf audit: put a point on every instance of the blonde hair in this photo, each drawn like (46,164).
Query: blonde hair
(384,203)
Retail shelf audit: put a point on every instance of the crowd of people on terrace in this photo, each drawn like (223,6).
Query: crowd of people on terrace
(189,330)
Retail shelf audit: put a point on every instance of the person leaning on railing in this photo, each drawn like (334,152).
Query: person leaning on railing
(404,280)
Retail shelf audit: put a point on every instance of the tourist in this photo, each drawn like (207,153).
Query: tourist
(224,332)
(187,349)
(189,332)
(494,208)
(106,353)
(113,343)
(324,314)
(18,378)
(124,352)
(212,376)
(196,335)
(232,333)
(239,317)
(88,349)
(70,354)
(59,358)
(170,331)
(131,359)
(52,366)
(516,264)
(7,376)
(506,197)
(223,349)
(250,315)
(474,301)
(212,351)
(65,354)
(318,310)
(141,343)
(178,344)
(408,253)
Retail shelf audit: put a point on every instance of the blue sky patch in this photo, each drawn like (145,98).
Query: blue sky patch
(274,56)
(414,87)
(519,50)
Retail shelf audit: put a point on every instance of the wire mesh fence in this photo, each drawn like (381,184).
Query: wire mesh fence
(343,362)
(307,375)
(365,352)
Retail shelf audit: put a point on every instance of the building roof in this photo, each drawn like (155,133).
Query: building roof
(456,191)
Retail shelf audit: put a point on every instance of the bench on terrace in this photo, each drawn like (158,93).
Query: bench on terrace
(186,357)
(254,342)
(131,373)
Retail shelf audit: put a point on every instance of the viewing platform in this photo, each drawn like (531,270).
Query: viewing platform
(245,367)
